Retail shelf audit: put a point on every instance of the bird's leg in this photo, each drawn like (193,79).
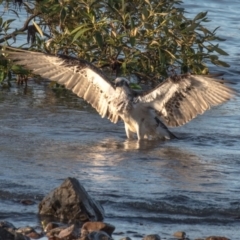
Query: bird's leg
(140,131)
(129,133)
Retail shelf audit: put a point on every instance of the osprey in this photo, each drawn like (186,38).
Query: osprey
(174,102)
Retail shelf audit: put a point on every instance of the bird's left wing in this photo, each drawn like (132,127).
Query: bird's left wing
(77,75)
(179,99)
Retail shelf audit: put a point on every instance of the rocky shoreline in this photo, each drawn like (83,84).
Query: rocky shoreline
(71,203)
(89,231)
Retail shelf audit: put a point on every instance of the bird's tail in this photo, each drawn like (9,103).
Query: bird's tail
(163,130)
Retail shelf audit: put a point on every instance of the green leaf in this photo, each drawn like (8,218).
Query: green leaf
(99,39)
(80,33)
(220,63)
(2,75)
(192,27)
(78,28)
(172,56)
(220,51)
(132,41)
(200,16)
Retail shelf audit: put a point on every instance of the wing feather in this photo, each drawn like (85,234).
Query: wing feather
(179,99)
(79,76)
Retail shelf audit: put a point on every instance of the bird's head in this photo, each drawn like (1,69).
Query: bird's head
(121,81)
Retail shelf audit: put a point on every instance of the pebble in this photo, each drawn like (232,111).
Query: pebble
(138,235)
(152,237)
(126,238)
(89,231)
(5,224)
(217,238)
(27,202)
(50,226)
(25,230)
(179,235)
(69,232)
(55,231)
(34,235)
(89,227)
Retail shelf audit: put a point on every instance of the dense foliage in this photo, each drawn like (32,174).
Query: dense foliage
(150,38)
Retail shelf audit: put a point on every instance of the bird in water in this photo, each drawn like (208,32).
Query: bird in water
(147,114)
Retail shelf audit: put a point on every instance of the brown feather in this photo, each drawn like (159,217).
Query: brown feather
(181,98)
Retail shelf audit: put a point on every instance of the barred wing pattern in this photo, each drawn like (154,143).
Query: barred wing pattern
(79,76)
(179,99)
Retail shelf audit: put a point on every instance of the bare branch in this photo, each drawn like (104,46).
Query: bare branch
(24,28)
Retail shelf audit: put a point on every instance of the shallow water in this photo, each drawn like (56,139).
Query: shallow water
(191,184)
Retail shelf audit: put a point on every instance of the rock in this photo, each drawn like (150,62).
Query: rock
(4,234)
(5,224)
(89,227)
(25,230)
(126,238)
(179,235)
(119,233)
(138,235)
(70,201)
(152,237)
(98,235)
(27,202)
(34,235)
(130,231)
(29,232)
(50,226)
(70,232)
(55,231)
(217,238)
(7,235)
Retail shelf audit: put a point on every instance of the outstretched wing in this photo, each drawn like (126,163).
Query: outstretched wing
(179,99)
(79,76)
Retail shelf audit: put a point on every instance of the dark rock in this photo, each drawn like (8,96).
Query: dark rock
(152,237)
(27,202)
(130,231)
(118,233)
(4,234)
(7,235)
(5,224)
(217,238)
(89,227)
(138,235)
(70,201)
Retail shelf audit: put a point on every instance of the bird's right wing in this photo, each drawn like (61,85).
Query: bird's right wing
(79,76)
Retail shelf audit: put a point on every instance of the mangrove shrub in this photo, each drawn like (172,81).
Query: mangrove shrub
(149,38)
